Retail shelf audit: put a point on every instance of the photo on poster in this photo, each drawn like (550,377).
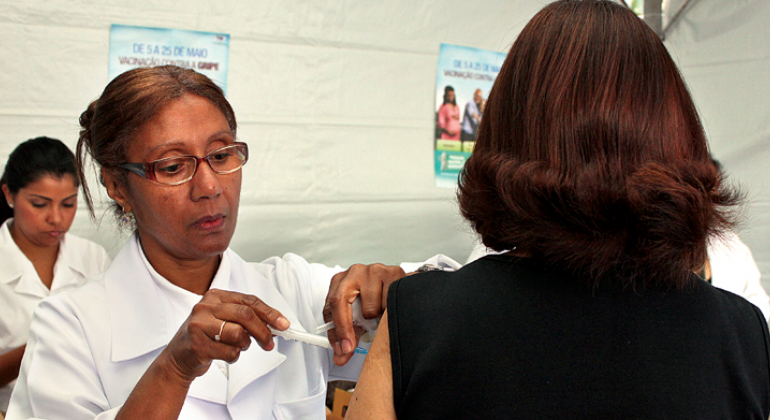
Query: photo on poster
(463,81)
(136,46)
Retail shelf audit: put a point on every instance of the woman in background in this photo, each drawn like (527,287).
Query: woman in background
(449,116)
(592,168)
(731,266)
(39,257)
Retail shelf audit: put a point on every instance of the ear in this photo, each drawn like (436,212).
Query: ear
(116,189)
(7,193)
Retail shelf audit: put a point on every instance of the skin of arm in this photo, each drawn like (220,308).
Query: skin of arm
(159,394)
(373,396)
(10,362)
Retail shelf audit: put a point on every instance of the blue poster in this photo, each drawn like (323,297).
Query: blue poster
(465,77)
(134,46)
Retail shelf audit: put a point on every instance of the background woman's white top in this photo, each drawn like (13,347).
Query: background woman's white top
(733,269)
(21,289)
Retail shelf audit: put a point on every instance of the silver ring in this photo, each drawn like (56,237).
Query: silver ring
(218,337)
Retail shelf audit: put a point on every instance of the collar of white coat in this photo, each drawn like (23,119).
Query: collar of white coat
(137,310)
(16,266)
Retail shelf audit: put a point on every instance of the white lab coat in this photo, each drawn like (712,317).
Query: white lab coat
(88,348)
(733,269)
(21,288)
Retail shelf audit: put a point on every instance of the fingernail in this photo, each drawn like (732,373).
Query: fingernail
(347,346)
(283,323)
(337,349)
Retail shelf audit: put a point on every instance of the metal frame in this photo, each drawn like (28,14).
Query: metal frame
(676,15)
(653,15)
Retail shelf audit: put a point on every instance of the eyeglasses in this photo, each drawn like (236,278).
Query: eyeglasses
(180,169)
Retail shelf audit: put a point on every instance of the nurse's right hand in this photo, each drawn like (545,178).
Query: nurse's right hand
(220,327)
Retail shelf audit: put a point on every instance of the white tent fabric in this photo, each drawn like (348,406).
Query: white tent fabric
(335,99)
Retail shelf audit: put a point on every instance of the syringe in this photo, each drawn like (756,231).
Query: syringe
(303,337)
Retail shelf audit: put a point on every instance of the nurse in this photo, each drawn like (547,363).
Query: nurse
(168,331)
(39,257)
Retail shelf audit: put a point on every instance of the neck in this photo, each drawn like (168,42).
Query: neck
(193,275)
(517,252)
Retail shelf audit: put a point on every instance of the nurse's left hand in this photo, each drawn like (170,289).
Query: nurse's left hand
(371,282)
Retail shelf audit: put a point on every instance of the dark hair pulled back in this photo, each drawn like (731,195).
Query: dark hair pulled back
(32,160)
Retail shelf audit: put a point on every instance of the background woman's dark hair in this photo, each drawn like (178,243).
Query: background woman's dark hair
(129,101)
(591,155)
(448,89)
(31,160)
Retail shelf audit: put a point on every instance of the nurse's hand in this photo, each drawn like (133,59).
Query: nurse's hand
(220,327)
(369,281)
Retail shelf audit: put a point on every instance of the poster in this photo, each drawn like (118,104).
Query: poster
(135,46)
(465,76)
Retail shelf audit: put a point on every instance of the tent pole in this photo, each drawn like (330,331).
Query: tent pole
(676,15)
(653,15)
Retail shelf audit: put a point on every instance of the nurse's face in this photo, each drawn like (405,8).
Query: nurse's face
(194,220)
(43,210)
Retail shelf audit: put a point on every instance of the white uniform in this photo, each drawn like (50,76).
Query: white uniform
(88,348)
(733,269)
(21,288)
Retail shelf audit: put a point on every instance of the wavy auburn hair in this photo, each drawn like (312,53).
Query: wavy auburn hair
(591,155)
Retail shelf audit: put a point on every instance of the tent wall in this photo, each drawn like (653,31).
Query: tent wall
(335,99)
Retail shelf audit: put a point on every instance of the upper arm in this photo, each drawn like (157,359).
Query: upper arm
(373,396)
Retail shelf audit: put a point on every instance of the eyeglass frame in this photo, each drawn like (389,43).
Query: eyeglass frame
(147,169)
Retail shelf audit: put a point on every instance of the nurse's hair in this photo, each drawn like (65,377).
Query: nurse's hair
(130,100)
(30,161)
(591,156)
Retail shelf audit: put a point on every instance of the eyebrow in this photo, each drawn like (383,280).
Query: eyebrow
(50,199)
(176,143)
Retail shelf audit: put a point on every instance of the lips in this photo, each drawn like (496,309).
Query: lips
(55,233)
(210,222)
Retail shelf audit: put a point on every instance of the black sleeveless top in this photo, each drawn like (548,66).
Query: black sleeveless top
(505,337)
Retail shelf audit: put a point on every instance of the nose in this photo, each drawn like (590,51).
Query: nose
(205,182)
(54,216)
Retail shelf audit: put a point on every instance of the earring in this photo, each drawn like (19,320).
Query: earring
(9,204)
(128,217)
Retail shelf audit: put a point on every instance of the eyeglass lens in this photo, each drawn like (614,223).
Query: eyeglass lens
(181,169)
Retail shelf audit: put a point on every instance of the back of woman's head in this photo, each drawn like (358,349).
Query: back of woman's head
(591,154)
(31,160)
(129,101)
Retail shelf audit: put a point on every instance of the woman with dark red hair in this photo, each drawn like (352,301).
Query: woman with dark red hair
(591,170)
